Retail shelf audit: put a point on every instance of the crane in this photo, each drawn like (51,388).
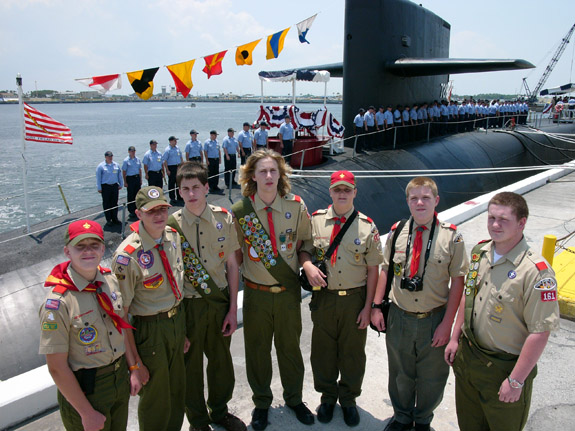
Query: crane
(532,95)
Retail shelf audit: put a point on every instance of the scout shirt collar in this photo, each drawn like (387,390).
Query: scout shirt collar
(148,243)
(330,214)
(207,215)
(79,281)
(260,205)
(427,225)
(515,255)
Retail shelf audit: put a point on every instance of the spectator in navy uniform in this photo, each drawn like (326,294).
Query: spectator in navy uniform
(153,166)
(172,158)
(193,148)
(369,127)
(231,148)
(287,136)
(358,130)
(110,182)
(261,136)
(132,175)
(247,145)
(214,157)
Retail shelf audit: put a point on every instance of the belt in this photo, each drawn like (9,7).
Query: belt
(264,288)
(161,316)
(114,366)
(154,172)
(345,292)
(133,176)
(213,158)
(422,315)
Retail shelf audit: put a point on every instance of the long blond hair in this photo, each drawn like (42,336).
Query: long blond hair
(247,171)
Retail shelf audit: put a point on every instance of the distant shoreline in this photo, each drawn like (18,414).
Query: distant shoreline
(190,100)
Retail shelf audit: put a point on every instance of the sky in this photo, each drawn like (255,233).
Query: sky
(52,42)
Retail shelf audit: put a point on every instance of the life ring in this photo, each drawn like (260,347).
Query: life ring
(559,107)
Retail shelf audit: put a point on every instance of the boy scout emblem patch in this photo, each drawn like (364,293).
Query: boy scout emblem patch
(549,296)
(123,260)
(511,274)
(288,215)
(49,326)
(153,193)
(357,241)
(145,259)
(545,284)
(154,282)
(219,226)
(52,304)
(87,335)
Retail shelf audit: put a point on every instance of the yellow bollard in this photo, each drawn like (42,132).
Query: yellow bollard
(64,198)
(548,249)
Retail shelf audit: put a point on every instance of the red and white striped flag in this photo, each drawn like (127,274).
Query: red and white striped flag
(43,128)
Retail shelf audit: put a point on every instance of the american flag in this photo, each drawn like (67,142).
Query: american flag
(43,128)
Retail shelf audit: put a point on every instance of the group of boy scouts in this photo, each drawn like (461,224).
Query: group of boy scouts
(144,326)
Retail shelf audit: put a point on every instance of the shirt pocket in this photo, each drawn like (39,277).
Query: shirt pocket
(219,248)
(398,264)
(357,252)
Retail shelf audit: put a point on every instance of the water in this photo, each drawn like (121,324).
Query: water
(96,128)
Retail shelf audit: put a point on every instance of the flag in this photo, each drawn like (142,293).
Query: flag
(334,127)
(303,27)
(142,82)
(43,128)
(214,64)
(276,44)
(182,76)
(103,83)
(244,53)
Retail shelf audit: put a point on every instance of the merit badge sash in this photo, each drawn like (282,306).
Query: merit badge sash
(195,271)
(259,239)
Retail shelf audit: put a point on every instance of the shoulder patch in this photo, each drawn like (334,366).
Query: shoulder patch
(541,266)
(129,249)
(123,260)
(296,198)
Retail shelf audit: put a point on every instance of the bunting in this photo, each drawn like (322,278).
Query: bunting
(103,84)
(275,44)
(244,53)
(142,82)
(43,128)
(214,64)
(303,27)
(182,76)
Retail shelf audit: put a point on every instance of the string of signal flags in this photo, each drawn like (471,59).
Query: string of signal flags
(142,81)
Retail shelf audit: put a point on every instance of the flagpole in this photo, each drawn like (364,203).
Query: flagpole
(24,162)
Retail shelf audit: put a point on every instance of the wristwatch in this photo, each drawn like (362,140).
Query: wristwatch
(374,305)
(515,384)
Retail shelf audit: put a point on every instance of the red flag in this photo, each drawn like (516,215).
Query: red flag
(103,83)
(43,128)
(214,63)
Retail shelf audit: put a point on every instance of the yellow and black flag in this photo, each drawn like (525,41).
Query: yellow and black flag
(142,82)
(244,53)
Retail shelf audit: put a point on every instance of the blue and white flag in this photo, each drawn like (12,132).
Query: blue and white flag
(303,27)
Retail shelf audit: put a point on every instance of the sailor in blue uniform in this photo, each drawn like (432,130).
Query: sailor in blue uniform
(388,122)
(172,158)
(193,148)
(132,175)
(152,162)
(214,157)
(369,126)
(287,136)
(110,182)
(358,128)
(246,141)
(231,147)
(261,136)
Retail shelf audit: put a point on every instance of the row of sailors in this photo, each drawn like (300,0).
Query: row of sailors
(470,114)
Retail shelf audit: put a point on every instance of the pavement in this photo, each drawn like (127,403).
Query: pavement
(553,407)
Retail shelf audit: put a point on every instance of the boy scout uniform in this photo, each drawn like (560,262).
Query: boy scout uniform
(505,302)
(212,239)
(73,322)
(338,346)
(417,371)
(159,321)
(271,310)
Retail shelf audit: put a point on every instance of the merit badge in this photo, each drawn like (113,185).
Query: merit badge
(123,260)
(468,291)
(145,259)
(87,335)
(52,304)
(376,237)
(357,241)
(154,282)
(49,326)
(511,274)
(219,226)
(288,215)
(545,284)
(283,247)
(153,193)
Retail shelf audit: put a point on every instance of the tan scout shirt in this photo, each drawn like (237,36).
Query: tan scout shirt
(213,238)
(141,275)
(359,248)
(515,298)
(74,323)
(292,224)
(447,259)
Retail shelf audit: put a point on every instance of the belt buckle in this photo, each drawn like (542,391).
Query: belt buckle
(342,293)
(422,315)
(116,365)
(316,288)
(275,289)
(172,312)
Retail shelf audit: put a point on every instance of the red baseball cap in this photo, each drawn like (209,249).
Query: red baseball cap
(82,229)
(345,178)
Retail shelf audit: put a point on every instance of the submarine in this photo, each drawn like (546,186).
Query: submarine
(411,64)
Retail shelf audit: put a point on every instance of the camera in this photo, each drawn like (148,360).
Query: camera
(414,284)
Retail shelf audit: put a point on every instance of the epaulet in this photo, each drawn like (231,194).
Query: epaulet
(364,217)
(395,225)
(292,197)
(129,249)
(449,226)
(105,270)
(171,229)
(541,266)
(219,209)
(322,211)
(135,227)
(483,241)
(59,289)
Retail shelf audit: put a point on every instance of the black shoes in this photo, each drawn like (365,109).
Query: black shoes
(259,419)
(303,414)
(325,412)
(350,416)
(422,427)
(394,425)
(233,423)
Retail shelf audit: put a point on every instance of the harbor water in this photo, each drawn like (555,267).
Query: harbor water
(96,128)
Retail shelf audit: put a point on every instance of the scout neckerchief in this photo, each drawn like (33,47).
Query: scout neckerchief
(337,234)
(427,249)
(165,263)
(258,238)
(195,271)
(61,281)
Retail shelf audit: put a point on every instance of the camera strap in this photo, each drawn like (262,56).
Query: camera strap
(427,249)
(340,235)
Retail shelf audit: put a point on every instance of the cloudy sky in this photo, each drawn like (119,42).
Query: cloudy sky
(52,42)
